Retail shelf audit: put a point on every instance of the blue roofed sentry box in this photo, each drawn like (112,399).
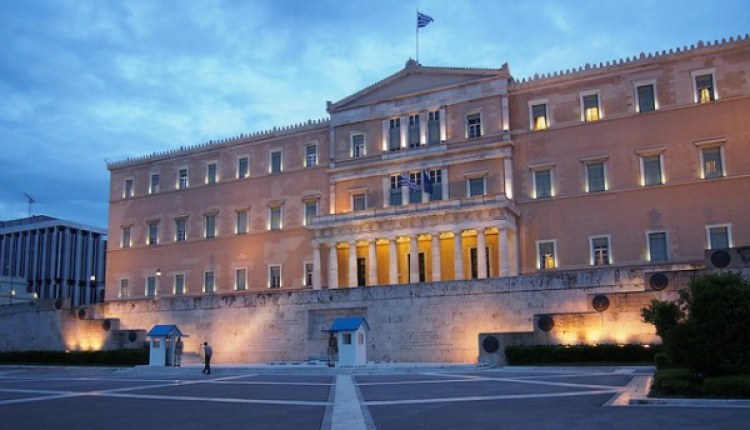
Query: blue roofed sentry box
(348,324)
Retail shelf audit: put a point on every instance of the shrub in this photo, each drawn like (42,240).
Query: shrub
(705,329)
(568,354)
(676,382)
(737,387)
(119,357)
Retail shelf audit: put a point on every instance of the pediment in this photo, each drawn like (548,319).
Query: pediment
(415,79)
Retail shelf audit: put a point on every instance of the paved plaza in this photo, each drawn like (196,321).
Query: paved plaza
(383,397)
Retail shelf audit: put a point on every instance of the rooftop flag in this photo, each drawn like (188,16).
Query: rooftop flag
(423,20)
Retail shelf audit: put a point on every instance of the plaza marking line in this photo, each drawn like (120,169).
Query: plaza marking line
(118,392)
(485,398)
(511,380)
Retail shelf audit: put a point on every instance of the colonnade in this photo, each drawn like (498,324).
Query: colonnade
(406,258)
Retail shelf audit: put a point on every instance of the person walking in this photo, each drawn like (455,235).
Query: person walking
(207,356)
(333,349)
(178,347)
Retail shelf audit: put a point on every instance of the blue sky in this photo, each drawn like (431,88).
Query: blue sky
(84,81)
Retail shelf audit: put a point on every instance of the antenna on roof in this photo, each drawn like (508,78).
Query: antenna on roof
(31,201)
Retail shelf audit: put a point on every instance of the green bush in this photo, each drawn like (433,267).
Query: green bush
(705,329)
(727,387)
(518,355)
(119,357)
(676,382)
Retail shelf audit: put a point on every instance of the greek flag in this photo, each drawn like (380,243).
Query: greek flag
(427,182)
(423,20)
(412,184)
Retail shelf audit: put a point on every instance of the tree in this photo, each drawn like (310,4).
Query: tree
(708,328)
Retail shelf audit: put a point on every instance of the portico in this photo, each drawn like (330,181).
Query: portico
(453,240)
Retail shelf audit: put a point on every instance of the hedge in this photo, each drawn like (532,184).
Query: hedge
(727,387)
(571,354)
(119,357)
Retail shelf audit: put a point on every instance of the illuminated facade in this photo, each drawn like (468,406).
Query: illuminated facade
(54,258)
(437,174)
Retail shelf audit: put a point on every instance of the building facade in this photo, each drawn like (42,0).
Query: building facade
(53,258)
(439,174)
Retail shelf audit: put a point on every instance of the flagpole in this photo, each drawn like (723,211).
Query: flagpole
(417,35)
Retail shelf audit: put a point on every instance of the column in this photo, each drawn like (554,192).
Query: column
(481,254)
(413,260)
(459,256)
(333,267)
(372,264)
(444,184)
(515,267)
(435,251)
(508,171)
(503,251)
(392,262)
(353,263)
(316,266)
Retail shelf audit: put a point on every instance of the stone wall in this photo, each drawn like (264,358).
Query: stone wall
(438,322)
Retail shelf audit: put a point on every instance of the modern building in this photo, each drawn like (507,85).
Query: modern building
(54,258)
(443,173)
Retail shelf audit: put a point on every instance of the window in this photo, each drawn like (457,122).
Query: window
(415,192)
(595,177)
(433,128)
(209,284)
(651,170)
(546,255)
(476,186)
(436,184)
(179,284)
(359,202)
(346,339)
(276,163)
(124,288)
(241,223)
(590,110)
(711,163)
(474,125)
(240,279)
(181,229)
(154,186)
(274,276)
(311,155)
(539,120)
(153,233)
(128,189)
(646,97)
(311,211)
(394,134)
(542,183)
(274,215)
(395,196)
(704,90)
(414,131)
(657,246)
(718,236)
(182,179)
(358,145)
(150,286)
(600,251)
(243,168)
(211,173)
(308,273)
(125,237)
(210,226)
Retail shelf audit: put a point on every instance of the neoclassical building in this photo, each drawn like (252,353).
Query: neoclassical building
(442,173)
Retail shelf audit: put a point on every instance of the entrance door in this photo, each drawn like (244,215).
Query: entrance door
(474,270)
(361,272)
(422,268)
